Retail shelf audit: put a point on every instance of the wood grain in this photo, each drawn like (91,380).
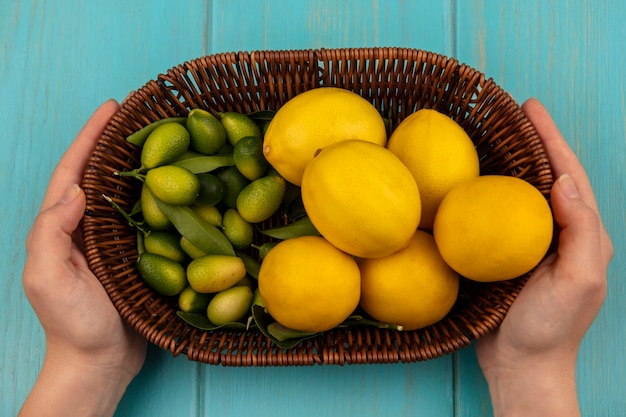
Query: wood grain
(570,56)
(60,59)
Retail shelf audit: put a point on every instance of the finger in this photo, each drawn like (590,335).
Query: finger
(562,159)
(71,167)
(580,250)
(52,230)
(49,243)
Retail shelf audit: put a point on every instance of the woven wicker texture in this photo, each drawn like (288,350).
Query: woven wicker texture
(398,82)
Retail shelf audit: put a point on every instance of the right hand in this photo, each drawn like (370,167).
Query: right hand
(539,338)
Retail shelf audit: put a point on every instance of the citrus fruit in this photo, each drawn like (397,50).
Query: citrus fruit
(206,132)
(493,227)
(360,197)
(139,137)
(214,273)
(208,212)
(191,301)
(166,243)
(261,198)
(190,249)
(238,231)
(249,158)
(307,284)
(165,276)
(173,185)
(315,119)
(164,145)
(234,182)
(230,305)
(152,214)
(412,287)
(438,153)
(212,189)
(238,126)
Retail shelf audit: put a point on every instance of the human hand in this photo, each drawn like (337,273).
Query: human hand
(91,354)
(530,360)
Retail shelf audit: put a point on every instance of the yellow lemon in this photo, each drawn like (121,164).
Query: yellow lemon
(493,228)
(315,119)
(309,285)
(361,198)
(438,153)
(413,287)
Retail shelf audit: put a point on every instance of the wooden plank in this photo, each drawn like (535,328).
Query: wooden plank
(352,390)
(570,56)
(165,385)
(355,390)
(59,60)
(279,24)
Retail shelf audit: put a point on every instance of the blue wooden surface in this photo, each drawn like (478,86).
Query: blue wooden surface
(60,59)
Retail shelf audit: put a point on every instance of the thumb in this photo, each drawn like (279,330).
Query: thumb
(49,246)
(579,249)
(53,227)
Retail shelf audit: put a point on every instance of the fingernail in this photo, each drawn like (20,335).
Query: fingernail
(70,194)
(568,186)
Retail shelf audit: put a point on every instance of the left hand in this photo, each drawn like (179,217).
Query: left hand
(82,327)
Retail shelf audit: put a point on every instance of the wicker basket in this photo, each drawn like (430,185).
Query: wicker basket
(398,82)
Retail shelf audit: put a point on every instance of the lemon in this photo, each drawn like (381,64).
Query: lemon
(412,287)
(439,154)
(361,198)
(173,185)
(165,276)
(493,227)
(315,119)
(309,285)
(164,145)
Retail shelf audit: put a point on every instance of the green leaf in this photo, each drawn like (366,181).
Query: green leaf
(301,227)
(139,137)
(358,320)
(200,232)
(136,208)
(252,265)
(262,116)
(280,335)
(283,334)
(205,163)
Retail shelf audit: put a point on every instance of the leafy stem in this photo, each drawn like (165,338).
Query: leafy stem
(134,223)
(139,173)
